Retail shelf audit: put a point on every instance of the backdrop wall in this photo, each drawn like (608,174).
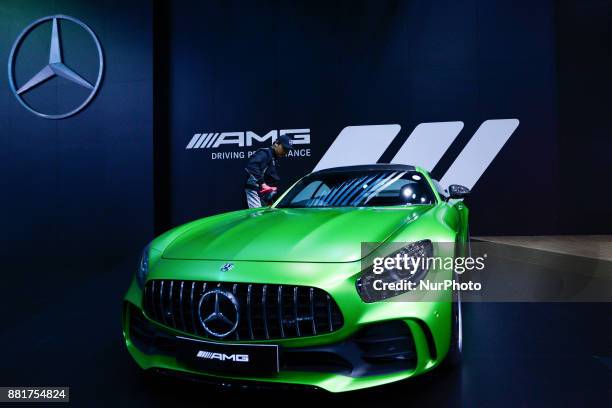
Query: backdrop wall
(584,63)
(238,67)
(80,186)
(316,69)
(262,66)
(247,69)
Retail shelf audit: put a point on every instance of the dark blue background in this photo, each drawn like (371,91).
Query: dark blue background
(77,193)
(98,184)
(262,65)
(80,186)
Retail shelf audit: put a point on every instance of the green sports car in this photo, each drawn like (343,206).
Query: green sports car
(277,296)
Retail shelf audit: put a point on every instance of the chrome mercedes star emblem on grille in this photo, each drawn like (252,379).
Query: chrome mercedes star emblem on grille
(219,312)
(227,267)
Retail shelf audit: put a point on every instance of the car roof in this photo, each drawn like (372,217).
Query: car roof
(368,167)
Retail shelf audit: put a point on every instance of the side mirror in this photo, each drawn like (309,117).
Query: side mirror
(458,191)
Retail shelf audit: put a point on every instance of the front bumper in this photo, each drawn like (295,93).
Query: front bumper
(334,361)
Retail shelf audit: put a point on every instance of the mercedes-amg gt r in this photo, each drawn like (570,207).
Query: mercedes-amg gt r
(281,295)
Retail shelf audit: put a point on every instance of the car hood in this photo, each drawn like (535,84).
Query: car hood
(290,235)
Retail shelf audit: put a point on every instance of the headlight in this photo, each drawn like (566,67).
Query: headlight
(369,284)
(143,267)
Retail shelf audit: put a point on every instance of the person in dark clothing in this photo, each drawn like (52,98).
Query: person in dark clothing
(263,172)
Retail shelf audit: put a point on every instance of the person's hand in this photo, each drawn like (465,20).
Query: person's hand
(265,189)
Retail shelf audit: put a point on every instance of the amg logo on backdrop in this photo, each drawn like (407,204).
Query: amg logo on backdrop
(425,146)
(365,144)
(209,355)
(248,139)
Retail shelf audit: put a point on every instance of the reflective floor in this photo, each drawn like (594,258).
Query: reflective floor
(592,246)
(63,329)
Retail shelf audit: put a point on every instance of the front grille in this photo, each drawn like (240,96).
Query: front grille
(266,311)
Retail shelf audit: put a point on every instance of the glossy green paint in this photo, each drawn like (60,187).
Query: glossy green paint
(311,247)
(292,235)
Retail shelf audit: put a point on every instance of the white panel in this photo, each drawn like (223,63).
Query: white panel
(358,145)
(479,152)
(427,144)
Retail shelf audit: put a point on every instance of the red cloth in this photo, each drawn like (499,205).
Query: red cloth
(265,189)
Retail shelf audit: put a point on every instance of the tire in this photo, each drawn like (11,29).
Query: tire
(455,349)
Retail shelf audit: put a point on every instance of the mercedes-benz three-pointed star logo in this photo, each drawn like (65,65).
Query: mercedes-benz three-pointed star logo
(219,312)
(55,66)
(226,267)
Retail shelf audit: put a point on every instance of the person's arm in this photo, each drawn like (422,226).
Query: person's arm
(257,166)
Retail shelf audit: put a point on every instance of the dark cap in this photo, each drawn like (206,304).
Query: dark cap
(285,141)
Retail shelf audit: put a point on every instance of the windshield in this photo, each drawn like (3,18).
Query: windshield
(359,189)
